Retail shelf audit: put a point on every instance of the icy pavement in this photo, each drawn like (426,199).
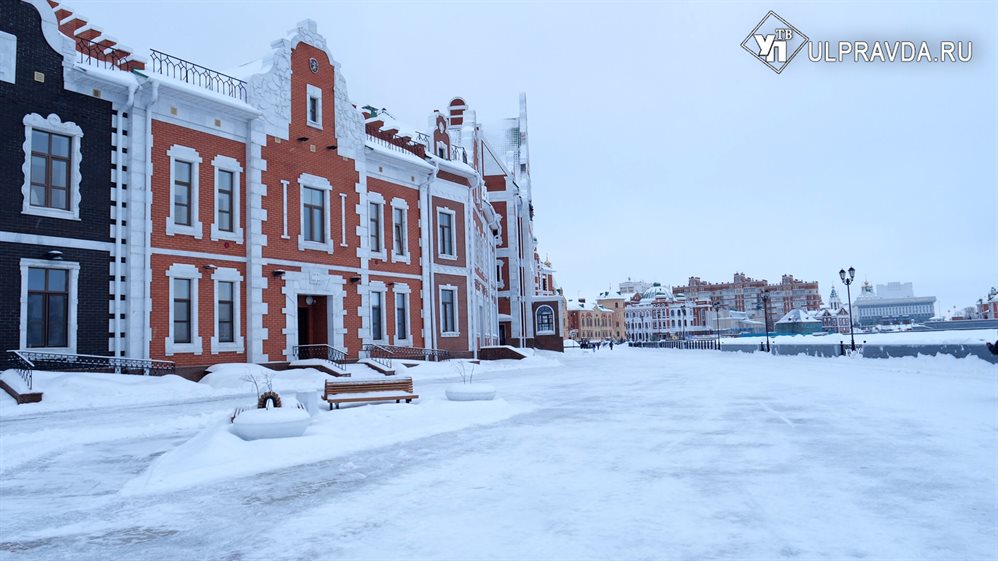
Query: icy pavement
(624,454)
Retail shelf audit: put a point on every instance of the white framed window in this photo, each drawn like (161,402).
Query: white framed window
(378,312)
(227,224)
(544,320)
(374,230)
(403,335)
(8,57)
(400,230)
(52,156)
(228,335)
(49,302)
(184,216)
(183,335)
(499,278)
(313,107)
(315,226)
(376,225)
(446,237)
(449,311)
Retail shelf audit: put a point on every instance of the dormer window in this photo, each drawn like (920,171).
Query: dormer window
(314,107)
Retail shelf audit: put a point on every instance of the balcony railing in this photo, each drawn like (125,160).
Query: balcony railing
(197,75)
(100,56)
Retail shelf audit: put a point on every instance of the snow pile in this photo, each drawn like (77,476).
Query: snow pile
(235,377)
(217,454)
(84,390)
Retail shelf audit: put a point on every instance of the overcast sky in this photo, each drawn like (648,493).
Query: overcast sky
(660,149)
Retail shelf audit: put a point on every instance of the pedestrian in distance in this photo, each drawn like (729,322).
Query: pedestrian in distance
(611,345)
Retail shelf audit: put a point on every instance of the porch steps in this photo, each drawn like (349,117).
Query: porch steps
(322,365)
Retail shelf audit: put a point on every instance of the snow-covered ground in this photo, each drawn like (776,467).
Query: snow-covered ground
(624,454)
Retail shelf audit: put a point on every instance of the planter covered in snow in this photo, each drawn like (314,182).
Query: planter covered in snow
(278,422)
(470,392)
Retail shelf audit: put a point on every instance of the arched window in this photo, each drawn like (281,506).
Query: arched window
(544,320)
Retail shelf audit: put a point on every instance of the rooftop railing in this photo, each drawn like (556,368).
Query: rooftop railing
(197,75)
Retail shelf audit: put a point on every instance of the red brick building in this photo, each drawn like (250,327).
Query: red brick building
(263,211)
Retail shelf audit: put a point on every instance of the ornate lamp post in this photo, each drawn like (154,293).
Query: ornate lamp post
(765,311)
(848,282)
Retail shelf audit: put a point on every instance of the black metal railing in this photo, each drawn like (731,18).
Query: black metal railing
(197,75)
(26,359)
(379,354)
(694,344)
(22,365)
(325,352)
(95,54)
(409,353)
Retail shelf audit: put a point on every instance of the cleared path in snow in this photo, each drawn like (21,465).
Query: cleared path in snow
(631,454)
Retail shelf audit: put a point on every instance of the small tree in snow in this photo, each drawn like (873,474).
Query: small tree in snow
(263,386)
(466,370)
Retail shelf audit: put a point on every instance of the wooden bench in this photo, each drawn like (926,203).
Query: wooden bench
(369,390)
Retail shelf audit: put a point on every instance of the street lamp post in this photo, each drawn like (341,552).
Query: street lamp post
(848,282)
(717,322)
(765,311)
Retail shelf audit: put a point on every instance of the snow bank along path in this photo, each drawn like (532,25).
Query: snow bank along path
(638,453)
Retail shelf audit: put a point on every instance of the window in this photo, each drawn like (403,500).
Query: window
(51,167)
(48,304)
(48,307)
(50,164)
(445,233)
(182,311)
(401,317)
(226,312)
(314,211)
(374,226)
(182,193)
(448,311)
(184,168)
(377,316)
(315,221)
(182,336)
(544,321)
(314,107)
(399,232)
(224,200)
(226,225)
(499,278)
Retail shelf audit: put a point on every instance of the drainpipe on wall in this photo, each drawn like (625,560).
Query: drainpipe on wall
(429,291)
(147,216)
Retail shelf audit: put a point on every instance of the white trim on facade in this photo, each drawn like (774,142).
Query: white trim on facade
(375,199)
(189,272)
(403,205)
(225,163)
(456,332)
(453,234)
(72,305)
(322,184)
(191,156)
(237,345)
(403,290)
(313,92)
(53,124)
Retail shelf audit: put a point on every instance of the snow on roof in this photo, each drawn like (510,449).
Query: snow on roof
(798,315)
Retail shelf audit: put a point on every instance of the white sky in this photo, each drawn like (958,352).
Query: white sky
(659,148)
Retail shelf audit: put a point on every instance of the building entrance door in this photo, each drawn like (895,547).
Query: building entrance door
(312,321)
